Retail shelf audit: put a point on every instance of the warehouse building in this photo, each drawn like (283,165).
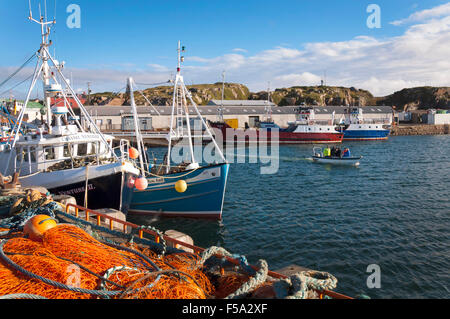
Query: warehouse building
(117,118)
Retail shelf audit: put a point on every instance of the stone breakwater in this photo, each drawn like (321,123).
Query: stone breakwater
(420,129)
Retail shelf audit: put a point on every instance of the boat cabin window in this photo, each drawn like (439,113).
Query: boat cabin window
(49,153)
(32,154)
(82,149)
(67,150)
(92,148)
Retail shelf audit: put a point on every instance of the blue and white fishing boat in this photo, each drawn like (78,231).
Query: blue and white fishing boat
(202,190)
(357,128)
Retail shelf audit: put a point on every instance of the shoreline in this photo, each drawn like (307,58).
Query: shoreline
(420,129)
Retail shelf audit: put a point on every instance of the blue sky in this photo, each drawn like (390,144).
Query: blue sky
(139,37)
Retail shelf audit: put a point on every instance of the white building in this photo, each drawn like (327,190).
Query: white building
(118,118)
(438,117)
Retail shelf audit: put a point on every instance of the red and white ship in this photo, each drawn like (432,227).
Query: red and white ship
(305,130)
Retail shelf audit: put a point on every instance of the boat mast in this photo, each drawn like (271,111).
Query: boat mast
(179,102)
(139,141)
(45,31)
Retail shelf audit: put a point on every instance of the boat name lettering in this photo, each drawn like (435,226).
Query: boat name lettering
(80,137)
(156,180)
(76,190)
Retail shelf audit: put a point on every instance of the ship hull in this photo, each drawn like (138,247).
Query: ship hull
(203,197)
(105,185)
(230,135)
(364,135)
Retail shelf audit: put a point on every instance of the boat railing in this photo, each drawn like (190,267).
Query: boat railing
(93,216)
(43,164)
(123,147)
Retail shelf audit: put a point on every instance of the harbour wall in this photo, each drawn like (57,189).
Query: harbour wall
(420,129)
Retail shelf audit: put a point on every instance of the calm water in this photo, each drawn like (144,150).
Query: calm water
(393,211)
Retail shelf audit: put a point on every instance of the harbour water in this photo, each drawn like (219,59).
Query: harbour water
(392,211)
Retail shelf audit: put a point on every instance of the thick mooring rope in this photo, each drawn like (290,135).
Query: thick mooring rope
(298,285)
(259,277)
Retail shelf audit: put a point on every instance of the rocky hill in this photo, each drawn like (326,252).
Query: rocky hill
(406,99)
(419,98)
(162,95)
(317,95)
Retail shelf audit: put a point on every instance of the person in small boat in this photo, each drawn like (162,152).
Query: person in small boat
(333,151)
(346,152)
(326,152)
(338,152)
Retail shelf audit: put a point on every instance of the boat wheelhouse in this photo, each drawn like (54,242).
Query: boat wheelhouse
(66,158)
(206,182)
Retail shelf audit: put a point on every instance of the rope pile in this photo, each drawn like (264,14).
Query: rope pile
(70,263)
(24,206)
(73,265)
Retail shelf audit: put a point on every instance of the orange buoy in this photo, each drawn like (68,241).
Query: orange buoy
(37,225)
(141,183)
(133,153)
(181,186)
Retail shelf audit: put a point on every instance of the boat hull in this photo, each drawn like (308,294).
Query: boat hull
(265,135)
(362,132)
(203,197)
(366,135)
(106,185)
(352,161)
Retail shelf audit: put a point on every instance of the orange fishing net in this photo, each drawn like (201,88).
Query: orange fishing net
(66,253)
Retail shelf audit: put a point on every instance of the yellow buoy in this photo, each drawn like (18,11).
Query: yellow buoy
(181,186)
(37,225)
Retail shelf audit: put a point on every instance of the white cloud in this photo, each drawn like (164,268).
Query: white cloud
(436,12)
(305,78)
(418,57)
(158,68)
(239,50)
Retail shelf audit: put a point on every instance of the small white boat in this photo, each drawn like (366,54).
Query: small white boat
(318,157)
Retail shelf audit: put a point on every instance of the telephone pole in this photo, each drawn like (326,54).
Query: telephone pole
(89,93)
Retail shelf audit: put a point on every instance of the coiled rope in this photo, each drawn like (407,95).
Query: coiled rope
(161,237)
(259,277)
(298,285)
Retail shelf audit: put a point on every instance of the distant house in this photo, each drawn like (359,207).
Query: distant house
(59,101)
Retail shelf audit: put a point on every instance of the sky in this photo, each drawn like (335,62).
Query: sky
(257,43)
